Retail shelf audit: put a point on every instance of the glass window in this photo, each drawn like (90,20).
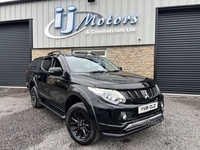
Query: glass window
(101,53)
(57,63)
(90,64)
(46,64)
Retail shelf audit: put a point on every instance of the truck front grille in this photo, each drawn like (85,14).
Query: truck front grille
(143,96)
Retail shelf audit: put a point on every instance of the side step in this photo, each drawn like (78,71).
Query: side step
(53,109)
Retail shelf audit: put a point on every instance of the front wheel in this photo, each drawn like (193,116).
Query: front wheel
(80,126)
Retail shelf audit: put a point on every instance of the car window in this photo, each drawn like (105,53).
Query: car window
(35,64)
(46,64)
(90,64)
(57,63)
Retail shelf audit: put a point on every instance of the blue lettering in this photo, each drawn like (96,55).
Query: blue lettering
(90,18)
(126,19)
(117,20)
(135,19)
(70,20)
(58,17)
(87,20)
(101,22)
(109,20)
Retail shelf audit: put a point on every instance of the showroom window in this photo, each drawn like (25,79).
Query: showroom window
(98,52)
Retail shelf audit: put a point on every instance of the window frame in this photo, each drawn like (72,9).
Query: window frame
(91,50)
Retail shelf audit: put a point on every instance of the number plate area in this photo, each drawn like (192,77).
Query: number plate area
(147,107)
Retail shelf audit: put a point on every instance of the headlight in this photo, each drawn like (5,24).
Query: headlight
(111,96)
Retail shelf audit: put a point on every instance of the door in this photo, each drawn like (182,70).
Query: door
(177,58)
(15,52)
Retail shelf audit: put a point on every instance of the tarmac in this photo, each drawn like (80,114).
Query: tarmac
(23,127)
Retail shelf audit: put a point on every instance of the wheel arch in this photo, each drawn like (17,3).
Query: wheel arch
(78,95)
(33,83)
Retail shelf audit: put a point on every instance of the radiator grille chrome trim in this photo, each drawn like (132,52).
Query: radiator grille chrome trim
(143,96)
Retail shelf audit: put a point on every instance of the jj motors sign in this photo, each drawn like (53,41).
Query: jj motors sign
(68,26)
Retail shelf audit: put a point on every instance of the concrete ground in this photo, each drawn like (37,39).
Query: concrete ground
(24,127)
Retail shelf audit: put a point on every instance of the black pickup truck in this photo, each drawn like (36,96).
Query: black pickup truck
(94,96)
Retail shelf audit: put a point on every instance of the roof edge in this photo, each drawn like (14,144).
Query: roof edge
(18,2)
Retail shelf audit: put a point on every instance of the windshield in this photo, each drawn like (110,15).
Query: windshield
(90,64)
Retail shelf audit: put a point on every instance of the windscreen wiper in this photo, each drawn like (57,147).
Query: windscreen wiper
(98,71)
(114,71)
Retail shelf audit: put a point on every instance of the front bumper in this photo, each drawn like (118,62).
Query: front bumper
(111,122)
(131,127)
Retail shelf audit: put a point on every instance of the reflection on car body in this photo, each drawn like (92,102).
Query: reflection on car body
(94,96)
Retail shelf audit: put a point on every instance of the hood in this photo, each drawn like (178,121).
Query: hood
(116,80)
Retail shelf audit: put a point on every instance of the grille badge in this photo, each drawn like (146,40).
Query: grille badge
(145,94)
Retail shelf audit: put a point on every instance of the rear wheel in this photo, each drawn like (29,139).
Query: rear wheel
(80,126)
(35,99)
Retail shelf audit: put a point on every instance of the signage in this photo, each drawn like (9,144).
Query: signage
(72,27)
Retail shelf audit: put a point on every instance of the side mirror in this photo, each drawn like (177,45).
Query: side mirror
(66,76)
(55,71)
(120,68)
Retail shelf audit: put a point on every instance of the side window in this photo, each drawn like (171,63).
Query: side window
(35,64)
(57,63)
(46,64)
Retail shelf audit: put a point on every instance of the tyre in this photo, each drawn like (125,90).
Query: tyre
(35,99)
(80,126)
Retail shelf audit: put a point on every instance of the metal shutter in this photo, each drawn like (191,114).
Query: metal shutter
(177,53)
(14,53)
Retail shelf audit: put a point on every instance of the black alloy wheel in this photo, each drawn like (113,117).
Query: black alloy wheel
(35,100)
(80,125)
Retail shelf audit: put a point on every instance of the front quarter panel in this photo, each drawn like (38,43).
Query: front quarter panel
(86,97)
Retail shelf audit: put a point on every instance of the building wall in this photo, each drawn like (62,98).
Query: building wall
(42,13)
(124,48)
(43,52)
(135,59)
(139,59)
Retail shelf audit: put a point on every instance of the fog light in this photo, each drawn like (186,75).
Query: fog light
(124,116)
